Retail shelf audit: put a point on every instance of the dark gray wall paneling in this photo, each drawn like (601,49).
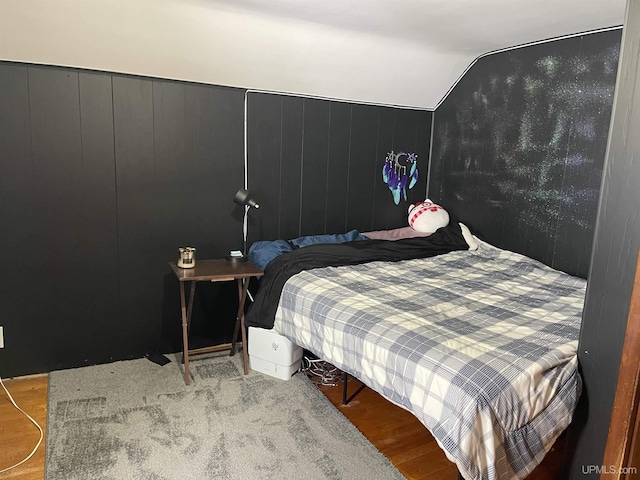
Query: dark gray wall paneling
(337,166)
(59,221)
(215,119)
(265,144)
(17,208)
(137,210)
(363,170)
(100,244)
(615,252)
(103,177)
(289,163)
(315,144)
(321,162)
(519,146)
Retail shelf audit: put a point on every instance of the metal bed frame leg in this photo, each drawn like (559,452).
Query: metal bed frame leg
(344,388)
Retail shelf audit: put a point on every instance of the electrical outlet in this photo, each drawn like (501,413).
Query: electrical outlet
(1,337)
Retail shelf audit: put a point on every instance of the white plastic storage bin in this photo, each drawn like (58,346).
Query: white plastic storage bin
(273,354)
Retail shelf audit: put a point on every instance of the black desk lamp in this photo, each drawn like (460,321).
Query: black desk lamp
(242,197)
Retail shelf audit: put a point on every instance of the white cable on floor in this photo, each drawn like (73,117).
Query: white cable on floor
(34,422)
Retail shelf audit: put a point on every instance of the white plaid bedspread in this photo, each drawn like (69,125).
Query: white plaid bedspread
(481,346)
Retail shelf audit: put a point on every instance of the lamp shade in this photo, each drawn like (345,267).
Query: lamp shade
(243,197)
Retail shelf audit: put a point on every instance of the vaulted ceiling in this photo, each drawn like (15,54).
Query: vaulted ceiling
(390,52)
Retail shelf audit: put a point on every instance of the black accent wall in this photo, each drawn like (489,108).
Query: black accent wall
(316,165)
(103,176)
(519,147)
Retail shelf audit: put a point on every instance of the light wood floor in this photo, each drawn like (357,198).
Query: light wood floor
(18,435)
(394,431)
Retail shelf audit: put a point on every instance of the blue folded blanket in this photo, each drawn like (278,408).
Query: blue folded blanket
(262,252)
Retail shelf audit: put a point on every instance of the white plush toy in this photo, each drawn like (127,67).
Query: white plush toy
(427,216)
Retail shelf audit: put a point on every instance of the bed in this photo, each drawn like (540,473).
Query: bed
(480,345)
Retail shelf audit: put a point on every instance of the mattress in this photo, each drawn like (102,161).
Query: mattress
(481,346)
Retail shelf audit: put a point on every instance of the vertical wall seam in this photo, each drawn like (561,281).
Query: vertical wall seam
(33,179)
(280,167)
(346,203)
(326,186)
(115,181)
(430,155)
(301,168)
(375,161)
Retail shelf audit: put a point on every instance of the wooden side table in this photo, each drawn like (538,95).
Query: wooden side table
(214,271)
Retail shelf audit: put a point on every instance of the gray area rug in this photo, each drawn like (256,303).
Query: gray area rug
(138,420)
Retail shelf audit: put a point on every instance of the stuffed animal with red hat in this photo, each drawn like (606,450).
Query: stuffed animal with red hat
(427,216)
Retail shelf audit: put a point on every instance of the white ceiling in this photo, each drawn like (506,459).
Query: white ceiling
(391,52)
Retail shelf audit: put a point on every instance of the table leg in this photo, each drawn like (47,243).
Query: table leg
(186,321)
(185,335)
(237,326)
(243,285)
(192,294)
(245,347)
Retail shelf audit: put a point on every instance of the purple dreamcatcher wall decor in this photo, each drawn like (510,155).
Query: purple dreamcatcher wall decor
(399,173)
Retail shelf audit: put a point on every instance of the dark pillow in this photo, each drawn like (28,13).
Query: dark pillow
(262,252)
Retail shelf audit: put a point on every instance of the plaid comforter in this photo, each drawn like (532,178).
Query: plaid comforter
(481,346)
